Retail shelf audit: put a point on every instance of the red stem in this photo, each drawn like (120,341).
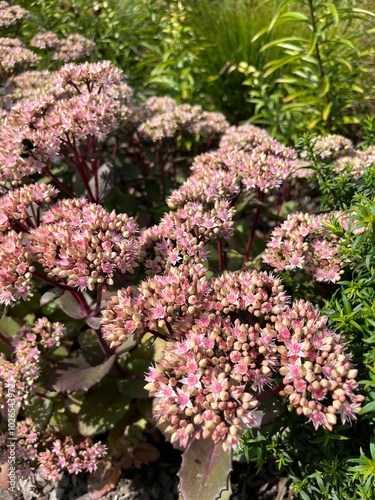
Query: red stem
(6,341)
(269,392)
(221,255)
(249,243)
(51,282)
(59,183)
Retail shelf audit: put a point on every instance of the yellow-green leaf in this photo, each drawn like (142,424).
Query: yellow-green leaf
(326,111)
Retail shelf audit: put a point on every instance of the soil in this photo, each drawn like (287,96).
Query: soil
(159,481)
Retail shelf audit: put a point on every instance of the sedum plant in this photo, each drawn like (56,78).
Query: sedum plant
(120,302)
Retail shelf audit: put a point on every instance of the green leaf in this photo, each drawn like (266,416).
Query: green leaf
(358,89)
(102,410)
(280,41)
(369,408)
(8,326)
(40,410)
(279,63)
(133,387)
(331,7)
(326,111)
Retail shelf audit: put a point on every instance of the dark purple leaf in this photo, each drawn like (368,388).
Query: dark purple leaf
(71,306)
(51,295)
(76,375)
(94,322)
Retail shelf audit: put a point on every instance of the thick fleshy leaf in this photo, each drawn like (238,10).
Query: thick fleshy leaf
(76,375)
(51,295)
(90,347)
(102,410)
(8,326)
(269,409)
(71,306)
(94,322)
(204,472)
(8,329)
(133,387)
(40,411)
(103,480)
(102,185)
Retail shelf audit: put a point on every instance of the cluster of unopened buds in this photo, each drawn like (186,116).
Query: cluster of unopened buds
(332,146)
(164,118)
(303,242)
(49,454)
(71,48)
(248,158)
(29,347)
(78,243)
(181,236)
(232,341)
(81,245)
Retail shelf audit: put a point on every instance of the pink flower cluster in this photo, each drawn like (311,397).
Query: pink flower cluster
(303,242)
(29,84)
(15,55)
(319,379)
(19,209)
(170,301)
(164,118)
(45,40)
(12,14)
(356,163)
(49,454)
(16,270)
(29,346)
(73,47)
(225,172)
(332,146)
(244,137)
(214,178)
(67,455)
(89,77)
(81,245)
(181,236)
(231,341)
(208,384)
(84,104)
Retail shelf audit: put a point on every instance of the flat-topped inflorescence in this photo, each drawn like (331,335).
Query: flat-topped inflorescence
(181,236)
(15,56)
(303,242)
(210,382)
(12,14)
(19,208)
(23,372)
(48,453)
(81,245)
(163,118)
